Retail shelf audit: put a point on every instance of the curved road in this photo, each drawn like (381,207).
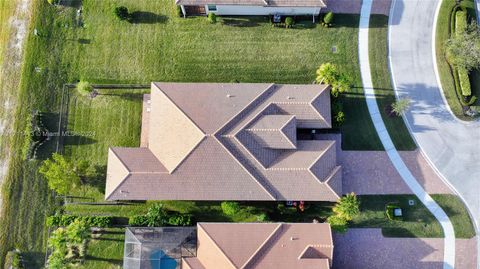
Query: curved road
(452,146)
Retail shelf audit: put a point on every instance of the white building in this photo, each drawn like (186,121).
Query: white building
(251,7)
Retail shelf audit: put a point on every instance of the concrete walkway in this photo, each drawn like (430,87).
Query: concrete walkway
(449,240)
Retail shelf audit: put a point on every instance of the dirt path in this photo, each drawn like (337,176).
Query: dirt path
(10,73)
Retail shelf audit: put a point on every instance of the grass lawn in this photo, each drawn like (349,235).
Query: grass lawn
(446,78)
(456,211)
(382,82)
(417,220)
(105,250)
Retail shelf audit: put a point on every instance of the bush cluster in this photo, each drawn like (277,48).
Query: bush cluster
(92,221)
(328,19)
(212,18)
(344,211)
(289,22)
(157,216)
(122,13)
(230,208)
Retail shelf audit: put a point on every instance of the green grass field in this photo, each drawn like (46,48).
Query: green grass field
(383,85)
(446,78)
(456,211)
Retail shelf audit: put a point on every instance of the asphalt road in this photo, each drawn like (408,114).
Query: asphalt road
(452,146)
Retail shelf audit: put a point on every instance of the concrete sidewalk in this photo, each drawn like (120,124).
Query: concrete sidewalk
(363,50)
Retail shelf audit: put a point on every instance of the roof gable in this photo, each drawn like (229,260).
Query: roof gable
(172,134)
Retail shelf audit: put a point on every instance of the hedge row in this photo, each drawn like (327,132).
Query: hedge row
(173,220)
(464,81)
(460,22)
(93,221)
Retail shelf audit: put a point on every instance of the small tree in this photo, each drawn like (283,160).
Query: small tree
(339,118)
(60,174)
(463,49)
(289,22)
(327,73)
(77,232)
(230,208)
(84,88)
(156,216)
(400,106)
(348,207)
(212,17)
(328,19)
(122,13)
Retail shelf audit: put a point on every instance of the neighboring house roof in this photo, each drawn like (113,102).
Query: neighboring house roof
(236,141)
(262,245)
(270,3)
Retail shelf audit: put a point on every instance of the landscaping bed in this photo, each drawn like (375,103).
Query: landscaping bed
(456,82)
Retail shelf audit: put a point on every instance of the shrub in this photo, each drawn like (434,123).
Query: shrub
(327,73)
(289,22)
(348,207)
(212,17)
(464,81)
(328,19)
(140,221)
(92,221)
(337,223)
(180,220)
(263,217)
(339,118)
(13,260)
(400,106)
(156,216)
(230,208)
(84,88)
(122,13)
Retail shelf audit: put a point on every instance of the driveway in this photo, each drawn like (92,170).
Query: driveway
(367,248)
(452,146)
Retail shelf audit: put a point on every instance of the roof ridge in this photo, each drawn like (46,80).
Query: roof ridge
(270,86)
(282,131)
(330,176)
(263,245)
(216,245)
(322,153)
(244,168)
(329,124)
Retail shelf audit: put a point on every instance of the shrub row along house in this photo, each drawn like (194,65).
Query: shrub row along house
(251,7)
(233,141)
(231,246)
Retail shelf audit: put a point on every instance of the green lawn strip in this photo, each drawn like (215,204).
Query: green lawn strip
(105,249)
(458,214)
(417,220)
(446,77)
(384,92)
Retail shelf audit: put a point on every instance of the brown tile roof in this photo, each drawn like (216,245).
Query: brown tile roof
(271,3)
(211,141)
(263,245)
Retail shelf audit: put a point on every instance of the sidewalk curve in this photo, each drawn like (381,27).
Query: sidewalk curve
(437,211)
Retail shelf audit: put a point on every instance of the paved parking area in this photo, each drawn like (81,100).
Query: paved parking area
(372,172)
(381,7)
(368,249)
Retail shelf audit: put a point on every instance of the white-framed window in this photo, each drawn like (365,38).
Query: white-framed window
(212,7)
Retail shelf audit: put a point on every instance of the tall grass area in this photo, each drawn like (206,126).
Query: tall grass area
(384,92)
(446,77)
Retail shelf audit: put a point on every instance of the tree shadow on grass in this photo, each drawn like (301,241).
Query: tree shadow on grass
(113,261)
(72,139)
(146,17)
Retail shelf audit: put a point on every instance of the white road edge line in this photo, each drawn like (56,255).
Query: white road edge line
(424,197)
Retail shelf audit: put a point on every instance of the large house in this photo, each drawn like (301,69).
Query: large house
(251,7)
(230,246)
(236,141)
